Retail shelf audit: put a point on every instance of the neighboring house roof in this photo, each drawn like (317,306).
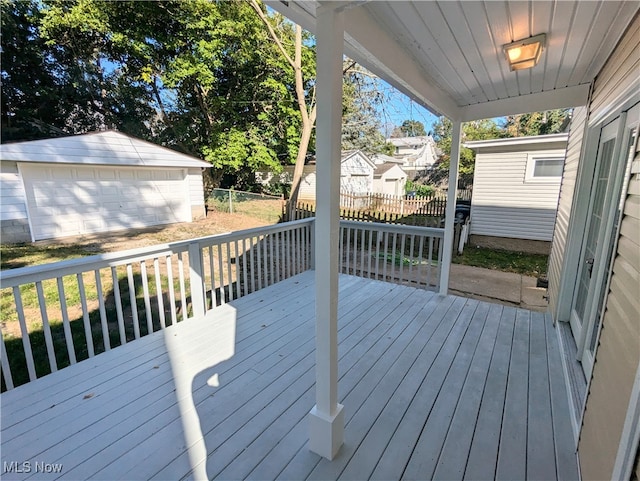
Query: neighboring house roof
(384,168)
(384,159)
(410,141)
(98,148)
(518,141)
(344,156)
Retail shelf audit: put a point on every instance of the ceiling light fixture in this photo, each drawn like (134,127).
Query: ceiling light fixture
(524,53)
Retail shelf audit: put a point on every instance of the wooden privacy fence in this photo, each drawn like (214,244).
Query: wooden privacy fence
(433,205)
(305,210)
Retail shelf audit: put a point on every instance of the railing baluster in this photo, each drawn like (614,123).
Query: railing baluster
(146,297)
(26,341)
(212,279)
(183,290)
(362,245)
(4,362)
(348,241)
(395,254)
(259,260)
(172,294)
(223,291)
(253,265)
(289,253)
(429,261)
(133,302)
(402,243)
(237,269)
(411,257)
(118,301)
(272,265)
(48,338)
(65,321)
(245,285)
(420,260)
(106,341)
(265,260)
(159,293)
(386,254)
(85,315)
(370,251)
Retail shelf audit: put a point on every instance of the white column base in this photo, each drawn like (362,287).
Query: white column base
(326,432)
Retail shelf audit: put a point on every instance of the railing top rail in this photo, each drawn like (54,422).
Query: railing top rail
(399,228)
(24,275)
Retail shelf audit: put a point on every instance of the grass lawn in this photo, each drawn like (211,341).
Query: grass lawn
(534,265)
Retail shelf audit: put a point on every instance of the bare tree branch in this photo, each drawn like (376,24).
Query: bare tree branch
(272,32)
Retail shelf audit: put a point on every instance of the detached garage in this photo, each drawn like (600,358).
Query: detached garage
(93,183)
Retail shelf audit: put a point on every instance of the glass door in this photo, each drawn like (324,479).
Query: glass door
(599,240)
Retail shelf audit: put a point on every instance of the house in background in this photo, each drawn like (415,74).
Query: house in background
(389,178)
(516,185)
(356,175)
(417,153)
(97,182)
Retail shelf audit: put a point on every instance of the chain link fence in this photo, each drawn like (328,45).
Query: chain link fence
(260,206)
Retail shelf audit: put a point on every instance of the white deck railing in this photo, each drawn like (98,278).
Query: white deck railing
(394,253)
(66,311)
(57,314)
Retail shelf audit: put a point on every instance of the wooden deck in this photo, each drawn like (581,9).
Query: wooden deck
(433,388)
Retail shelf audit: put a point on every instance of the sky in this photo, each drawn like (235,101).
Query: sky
(397,108)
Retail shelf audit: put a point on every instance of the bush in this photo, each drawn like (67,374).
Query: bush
(419,189)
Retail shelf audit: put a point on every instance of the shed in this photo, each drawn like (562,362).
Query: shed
(515,191)
(389,179)
(97,182)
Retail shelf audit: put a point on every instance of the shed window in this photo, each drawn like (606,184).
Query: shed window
(544,168)
(548,168)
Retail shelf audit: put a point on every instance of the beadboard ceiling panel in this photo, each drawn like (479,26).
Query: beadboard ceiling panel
(456,48)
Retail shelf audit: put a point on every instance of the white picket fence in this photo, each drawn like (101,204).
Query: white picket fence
(90,305)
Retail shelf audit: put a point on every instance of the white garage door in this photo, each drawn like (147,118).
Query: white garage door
(72,200)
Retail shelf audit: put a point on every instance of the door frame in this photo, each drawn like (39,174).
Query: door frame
(581,201)
(605,243)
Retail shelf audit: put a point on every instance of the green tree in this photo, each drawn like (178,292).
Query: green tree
(475,130)
(412,128)
(361,97)
(216,82)
(47,91)
(537,123)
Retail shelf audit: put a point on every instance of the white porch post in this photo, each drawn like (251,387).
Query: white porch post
(327,417)
(447,250)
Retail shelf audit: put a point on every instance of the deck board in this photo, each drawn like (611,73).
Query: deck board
(433,387)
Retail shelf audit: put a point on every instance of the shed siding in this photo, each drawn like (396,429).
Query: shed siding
(12,197)
(618,352)
(565,202)
(506,204)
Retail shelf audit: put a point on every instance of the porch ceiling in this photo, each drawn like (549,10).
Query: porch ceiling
(447,55)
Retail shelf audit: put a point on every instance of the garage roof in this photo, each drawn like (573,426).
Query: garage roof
(99,148)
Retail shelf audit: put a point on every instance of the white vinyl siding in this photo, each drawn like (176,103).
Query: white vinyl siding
(12,197)
(68,200)
(618,352)
(565,202)
(196,190)
(506,204)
